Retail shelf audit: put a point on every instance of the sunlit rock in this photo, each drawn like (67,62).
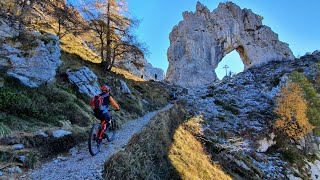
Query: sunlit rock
(85,80)
(200,41)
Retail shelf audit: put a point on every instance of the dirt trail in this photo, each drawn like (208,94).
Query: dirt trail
(79,164)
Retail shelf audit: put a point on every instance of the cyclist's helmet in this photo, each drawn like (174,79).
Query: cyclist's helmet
(105,88)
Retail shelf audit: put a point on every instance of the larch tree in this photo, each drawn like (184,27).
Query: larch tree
(291,111)
(66,15)
(108,19)
(26,11)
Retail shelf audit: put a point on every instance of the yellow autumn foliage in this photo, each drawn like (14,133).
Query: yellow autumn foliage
(291,111)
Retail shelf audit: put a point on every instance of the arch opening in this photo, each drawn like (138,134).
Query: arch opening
(230,64)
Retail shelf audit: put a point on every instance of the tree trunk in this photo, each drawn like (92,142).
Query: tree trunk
(102,46)
(59,29)
(108,36)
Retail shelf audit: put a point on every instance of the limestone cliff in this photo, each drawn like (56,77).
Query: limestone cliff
(140,67)
(200,41)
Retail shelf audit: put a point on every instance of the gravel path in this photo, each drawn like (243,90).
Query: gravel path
(79,164)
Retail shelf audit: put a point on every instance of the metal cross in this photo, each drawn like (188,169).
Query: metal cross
(226,67)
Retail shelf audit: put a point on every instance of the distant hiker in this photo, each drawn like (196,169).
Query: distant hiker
(230,73)
(141,76)
(100,104)
(155,76)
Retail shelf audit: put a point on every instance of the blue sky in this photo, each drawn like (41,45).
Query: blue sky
(296,22)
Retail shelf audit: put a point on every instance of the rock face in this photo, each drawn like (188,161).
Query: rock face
(314,169)
(265,143)
(139,67)
(202,39)
(85,80)
(124,88)
(35,66)
(151,72)
(133,64)
(8,29)
(239,115)
(32,58)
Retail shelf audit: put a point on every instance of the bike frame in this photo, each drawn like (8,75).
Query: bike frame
(103,124)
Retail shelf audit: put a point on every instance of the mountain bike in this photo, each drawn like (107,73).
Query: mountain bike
(98,133)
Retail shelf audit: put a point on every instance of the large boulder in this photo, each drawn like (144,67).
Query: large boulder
(124,88)
(200,41)
(85,80)
(33,58)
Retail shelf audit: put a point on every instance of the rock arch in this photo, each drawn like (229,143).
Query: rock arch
(200,41)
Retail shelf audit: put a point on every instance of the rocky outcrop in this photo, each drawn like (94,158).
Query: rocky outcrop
(309,144)
(151,72)
(239,121)
(60,133)
(8,29)
(203,38)
(266,143)
(314,169)
(124,88)
(33,59)
(140,67)
(133,64)
(85,80)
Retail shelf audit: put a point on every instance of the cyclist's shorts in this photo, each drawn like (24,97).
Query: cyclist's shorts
(102,117)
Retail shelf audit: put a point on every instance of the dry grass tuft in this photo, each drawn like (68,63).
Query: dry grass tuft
(166,149)
(126,74)
(189,157)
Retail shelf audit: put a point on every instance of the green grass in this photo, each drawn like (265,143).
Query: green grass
(49,105)
(132,107)
(4,130)
(292,156)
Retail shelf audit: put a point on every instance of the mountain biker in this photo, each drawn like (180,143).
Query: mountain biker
(102,112)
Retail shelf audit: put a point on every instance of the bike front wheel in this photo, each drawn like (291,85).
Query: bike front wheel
(94,141)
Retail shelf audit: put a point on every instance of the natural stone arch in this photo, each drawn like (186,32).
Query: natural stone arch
(203,38)
(240,50)
(234,63)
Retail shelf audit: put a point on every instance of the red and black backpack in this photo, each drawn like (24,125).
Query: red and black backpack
(97,101)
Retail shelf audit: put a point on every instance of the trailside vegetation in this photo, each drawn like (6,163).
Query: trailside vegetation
(168,148)
(311,96)
(102,25)
(109,21)
(291,111)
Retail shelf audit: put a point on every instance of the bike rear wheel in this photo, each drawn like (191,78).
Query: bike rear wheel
(95,142)
(111,131)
